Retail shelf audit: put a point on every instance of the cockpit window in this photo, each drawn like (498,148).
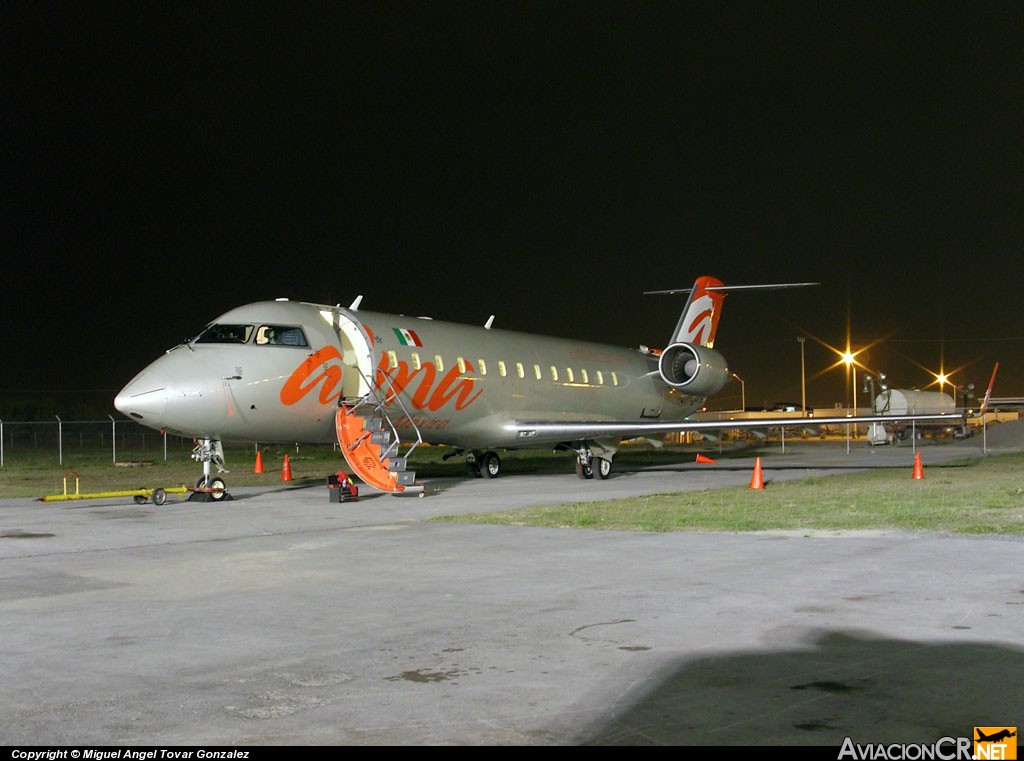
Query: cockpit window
(225,334)
(280,335)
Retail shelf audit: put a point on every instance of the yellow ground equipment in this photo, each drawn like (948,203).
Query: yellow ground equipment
(141,496)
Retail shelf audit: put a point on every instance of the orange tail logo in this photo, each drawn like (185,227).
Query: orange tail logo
(700,320)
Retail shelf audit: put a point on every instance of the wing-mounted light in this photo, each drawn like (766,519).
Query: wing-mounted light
(696,370)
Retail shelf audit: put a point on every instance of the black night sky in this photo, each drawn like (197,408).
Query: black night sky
(543,161)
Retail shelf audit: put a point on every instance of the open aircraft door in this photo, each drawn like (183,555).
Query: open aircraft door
(357,354)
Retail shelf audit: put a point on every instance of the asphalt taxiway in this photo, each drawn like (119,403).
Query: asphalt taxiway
(279,617)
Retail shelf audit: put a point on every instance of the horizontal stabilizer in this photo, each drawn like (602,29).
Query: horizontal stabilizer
(765,287)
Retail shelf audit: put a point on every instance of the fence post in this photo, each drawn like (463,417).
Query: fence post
(60,439)
(113,437)
(1,443)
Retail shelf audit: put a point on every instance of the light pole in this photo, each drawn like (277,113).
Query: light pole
(743,393)
(803,377)
(848,359)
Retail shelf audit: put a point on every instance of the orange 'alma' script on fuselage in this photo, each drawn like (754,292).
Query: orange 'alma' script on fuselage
(426,396)
(306,377)
(302,380)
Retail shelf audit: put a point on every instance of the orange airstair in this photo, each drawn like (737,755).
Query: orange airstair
(370,446)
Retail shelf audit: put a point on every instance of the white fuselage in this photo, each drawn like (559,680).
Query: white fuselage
(457,384)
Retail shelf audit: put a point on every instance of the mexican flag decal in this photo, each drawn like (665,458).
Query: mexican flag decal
(407,337)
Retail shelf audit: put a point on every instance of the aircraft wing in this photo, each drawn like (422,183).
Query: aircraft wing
(593,429)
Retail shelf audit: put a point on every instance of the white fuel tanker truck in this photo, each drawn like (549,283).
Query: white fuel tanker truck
(912,402)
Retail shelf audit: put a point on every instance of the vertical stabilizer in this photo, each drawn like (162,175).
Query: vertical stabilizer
(699,321)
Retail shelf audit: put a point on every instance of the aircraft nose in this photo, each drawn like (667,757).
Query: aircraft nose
(144,398)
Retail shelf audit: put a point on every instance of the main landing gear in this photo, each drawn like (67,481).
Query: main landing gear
(593,458)
(479,464)
(482,464)
(589,464)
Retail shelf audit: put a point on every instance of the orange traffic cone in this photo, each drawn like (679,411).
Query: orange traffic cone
(757,480)
(918,469)
(286,470)
(702,458)
(259,462)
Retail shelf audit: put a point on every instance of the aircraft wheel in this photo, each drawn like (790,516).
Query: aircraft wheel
(159,497)
(603,467)
(583,471)
(219,489)
(491,465)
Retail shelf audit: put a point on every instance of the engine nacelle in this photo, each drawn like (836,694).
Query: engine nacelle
(696,370)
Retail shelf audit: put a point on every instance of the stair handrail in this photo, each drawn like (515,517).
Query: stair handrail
(381,406)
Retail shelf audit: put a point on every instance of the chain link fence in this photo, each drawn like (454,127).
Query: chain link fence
(124,440)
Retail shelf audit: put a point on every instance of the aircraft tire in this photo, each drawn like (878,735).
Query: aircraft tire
(584,471)
(219,489)
(602,467)
(491,465)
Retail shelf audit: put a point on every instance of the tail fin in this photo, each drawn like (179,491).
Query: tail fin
(699,322)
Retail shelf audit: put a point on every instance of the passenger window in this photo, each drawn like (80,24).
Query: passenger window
(600,378)
(519,370)
(439,363)
(568,374)
(554,373)
(583,374)
(483,367)
(392,359)
(615,379)
(415,360)
(462,364)
(501,368)
(536,371)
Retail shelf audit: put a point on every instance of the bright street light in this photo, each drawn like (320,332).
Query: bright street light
(849,359)
(743,393)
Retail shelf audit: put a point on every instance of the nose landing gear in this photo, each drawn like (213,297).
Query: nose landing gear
(209,488)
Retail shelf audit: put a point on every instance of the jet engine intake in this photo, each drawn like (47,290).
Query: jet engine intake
(696,370)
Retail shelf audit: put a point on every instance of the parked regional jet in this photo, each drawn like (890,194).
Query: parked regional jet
(380,384)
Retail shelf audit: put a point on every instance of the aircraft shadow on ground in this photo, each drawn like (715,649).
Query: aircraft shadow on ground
(845,684)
